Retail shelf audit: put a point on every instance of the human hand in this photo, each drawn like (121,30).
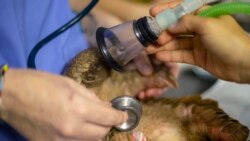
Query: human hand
(218,45)
(43,106)
(143,64)
(95,19)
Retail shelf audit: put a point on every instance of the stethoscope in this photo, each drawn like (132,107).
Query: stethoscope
(32,56)
(124,103)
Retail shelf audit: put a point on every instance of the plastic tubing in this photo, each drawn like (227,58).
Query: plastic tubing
(168,17)
(226,9)
(32,56)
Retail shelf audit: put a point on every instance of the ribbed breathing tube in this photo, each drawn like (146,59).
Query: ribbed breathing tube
(226,9)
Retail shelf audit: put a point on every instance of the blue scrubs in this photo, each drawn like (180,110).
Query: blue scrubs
(25,22)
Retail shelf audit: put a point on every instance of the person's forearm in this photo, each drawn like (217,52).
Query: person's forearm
(78,5)
(126,10)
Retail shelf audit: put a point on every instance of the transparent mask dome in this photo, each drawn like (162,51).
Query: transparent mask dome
(120,43)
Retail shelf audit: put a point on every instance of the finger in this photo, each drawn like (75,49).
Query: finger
(141,95)
(176,56)
(154,92)
(82,90)
(70,140)
(201,9)
(158,8)
(108,103)
(86,92)
(84,132)
(105,115)
(173,68)
(94,132)
(177,44)
(130,66)
(79,140)
(164,37)
(152,49)
(156,61)
(89,132)
(228,18)
(189,24)
(143,64)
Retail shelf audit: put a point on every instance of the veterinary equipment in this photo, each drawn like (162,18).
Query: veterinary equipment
(132,107)
(31,58)
(122,43)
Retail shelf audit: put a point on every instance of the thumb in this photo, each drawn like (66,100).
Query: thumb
(143,64)
(188,24)
(156,9)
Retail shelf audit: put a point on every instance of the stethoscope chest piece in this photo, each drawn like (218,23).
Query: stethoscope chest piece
(132,107)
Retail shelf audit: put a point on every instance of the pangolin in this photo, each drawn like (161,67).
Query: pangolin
(163,119)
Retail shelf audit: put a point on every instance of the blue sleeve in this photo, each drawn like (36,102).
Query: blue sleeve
(26,22)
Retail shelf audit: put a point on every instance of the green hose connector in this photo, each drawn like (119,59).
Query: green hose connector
(226,9)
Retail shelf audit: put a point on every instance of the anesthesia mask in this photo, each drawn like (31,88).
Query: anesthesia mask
(122,43)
